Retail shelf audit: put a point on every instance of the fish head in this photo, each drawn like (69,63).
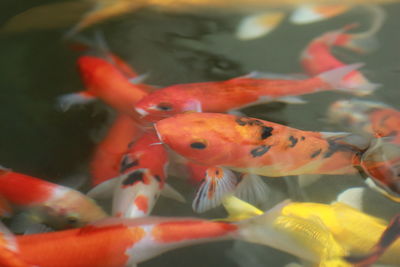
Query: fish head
(205,138)
(70,208)
(165,103)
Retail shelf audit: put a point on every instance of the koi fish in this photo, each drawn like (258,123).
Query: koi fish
(143,172)
(108,78)
(237,93)
(382,160)
(88,13)
(52,204)
(106,158)
(317,57)
(367,117)
(257,25)
(249,145)
(342,230)
(388,237)
(118,242)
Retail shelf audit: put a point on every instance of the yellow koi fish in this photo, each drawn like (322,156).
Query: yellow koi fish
(319,233)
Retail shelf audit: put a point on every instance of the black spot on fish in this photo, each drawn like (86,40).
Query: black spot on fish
(241,121)
(335,146)
(158,178)
(259,151)
(316,153)
(266,132)
(134,177)
(302,138)
(293,141)
(198,145)
(127,163)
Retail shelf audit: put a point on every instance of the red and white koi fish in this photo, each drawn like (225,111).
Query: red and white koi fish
(249,145)
(118,242)
(108,153)
(381,162)
(236,93)
(317,57)
(143,172)
(52,204)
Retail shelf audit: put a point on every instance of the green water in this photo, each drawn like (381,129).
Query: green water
(38,66)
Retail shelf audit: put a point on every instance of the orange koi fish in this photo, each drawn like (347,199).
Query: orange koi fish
(108,153)
(382,161)
(109,79)
(249,145)
(49,203)
(236,93)
(119,242)
(388,237)
(367,117)
(144,170)
(317,57)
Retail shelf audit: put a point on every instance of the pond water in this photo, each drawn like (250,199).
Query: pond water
(40,140)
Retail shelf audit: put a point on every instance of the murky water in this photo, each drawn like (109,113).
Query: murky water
(38,66)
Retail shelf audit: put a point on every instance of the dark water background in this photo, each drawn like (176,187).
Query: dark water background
(37,66)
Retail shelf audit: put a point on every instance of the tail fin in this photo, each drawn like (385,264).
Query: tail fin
(65,102)
(342,79)
(9,250)
(257,25)
(388,237)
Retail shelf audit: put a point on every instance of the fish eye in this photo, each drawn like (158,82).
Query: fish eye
(164,107)
(72,220)
(199,144)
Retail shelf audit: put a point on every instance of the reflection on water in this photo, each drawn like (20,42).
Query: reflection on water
(38,66)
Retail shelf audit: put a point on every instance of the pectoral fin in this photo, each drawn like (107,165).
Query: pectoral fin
(217,183)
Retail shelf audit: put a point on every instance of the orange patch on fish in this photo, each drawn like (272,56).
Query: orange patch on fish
(169,232)
(110,242)
(142,203)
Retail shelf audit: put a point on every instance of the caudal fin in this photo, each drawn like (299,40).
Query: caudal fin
(348,79)
(388,237)
(9,250)
(65,102)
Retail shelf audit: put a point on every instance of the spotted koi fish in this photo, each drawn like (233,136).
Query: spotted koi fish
(388,238)
(236,93)
(105,161)
(143,171)
(118,242)
(249,145)
(317,57)
(382,161)
(51,204)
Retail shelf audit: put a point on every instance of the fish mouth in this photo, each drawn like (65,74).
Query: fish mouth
(141,112)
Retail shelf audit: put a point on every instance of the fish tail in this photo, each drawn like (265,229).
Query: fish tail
(65,102)
(388,237)
(9,250)
(349,80)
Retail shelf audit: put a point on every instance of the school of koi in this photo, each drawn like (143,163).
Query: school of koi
(197,129)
